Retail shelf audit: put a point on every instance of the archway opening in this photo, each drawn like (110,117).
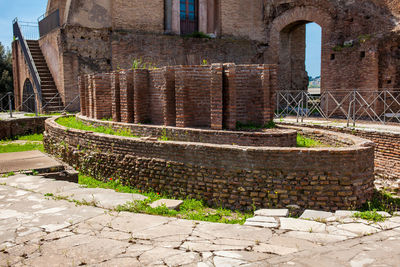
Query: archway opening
(28,97)
(300,55)
(313,57)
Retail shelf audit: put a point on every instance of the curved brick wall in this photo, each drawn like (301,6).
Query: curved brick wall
(225,175)
(21,126)
(272,137)
(387,147)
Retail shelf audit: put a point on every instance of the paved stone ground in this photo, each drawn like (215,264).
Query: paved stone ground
(29,160)
(15,115)
(39,231)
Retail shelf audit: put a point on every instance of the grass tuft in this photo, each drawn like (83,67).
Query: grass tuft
(191,209)
(303,141)
(370,215)
(9,148)
(72,122)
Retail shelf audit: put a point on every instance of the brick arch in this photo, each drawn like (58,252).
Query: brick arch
(288,27)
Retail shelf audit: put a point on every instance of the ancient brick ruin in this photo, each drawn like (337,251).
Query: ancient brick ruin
(360,40)
(215,96)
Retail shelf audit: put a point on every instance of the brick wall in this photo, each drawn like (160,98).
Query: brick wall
(223,175)
(102,107)
(24,126)
(140,15)
(268,138)
(185,96)
(169,50)
(387,148)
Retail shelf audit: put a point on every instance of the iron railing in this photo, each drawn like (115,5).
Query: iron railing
(28,57)
(28,104)
(49,23)
(30,30)
(382,106)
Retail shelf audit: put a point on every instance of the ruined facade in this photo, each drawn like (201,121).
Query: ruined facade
(360,38)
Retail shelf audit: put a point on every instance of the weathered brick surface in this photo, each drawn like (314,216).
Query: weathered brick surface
(126,96)
(387,148)
(115,96)
(271,138)
(208,96)
(24,126)
(102,107)
(223,175)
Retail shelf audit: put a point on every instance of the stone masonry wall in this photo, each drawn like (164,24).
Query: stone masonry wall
(24,126)
(224,175)
(183,96)
(387,148)
(267,138)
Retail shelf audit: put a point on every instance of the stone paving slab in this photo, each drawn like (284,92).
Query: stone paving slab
(171,204)
(272,212)
(39,231)
(30,160)
(315,214)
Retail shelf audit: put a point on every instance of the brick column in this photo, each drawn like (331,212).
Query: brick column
(126,96)
(183,117)
(82,93)
(141,91)
(273,73)
(115,97)
(216,96)
(169,107)
(266,90)
(229,96)
(90,112)
(102,96)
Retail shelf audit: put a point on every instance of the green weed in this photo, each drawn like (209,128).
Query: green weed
(303,141)
(253,126)
(21,147)
(72,122)
(8,174)
(369,216)
(191,209)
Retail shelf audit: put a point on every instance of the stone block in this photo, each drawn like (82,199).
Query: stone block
(344,213)
(315,214)
(272,212)
(169,203)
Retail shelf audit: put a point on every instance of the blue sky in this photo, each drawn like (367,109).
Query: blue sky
(313,49)
(25,10)
(30,10)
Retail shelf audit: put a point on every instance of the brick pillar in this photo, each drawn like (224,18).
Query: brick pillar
(115,97)
(102,96)
(126,96)
(86,77)
(169,107)
(266,90)
(141,95)
(183,116)
(216,96)
(273,73)
(82,92)
(90,112)
(229,90)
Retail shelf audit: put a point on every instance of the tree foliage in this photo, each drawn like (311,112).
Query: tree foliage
(6,80)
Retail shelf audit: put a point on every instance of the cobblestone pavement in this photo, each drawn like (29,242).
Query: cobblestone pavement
(36,230)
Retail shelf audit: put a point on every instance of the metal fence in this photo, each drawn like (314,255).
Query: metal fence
(30,104)
(354,105)
(30,30)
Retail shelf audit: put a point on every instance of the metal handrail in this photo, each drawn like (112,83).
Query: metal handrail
(28,57)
